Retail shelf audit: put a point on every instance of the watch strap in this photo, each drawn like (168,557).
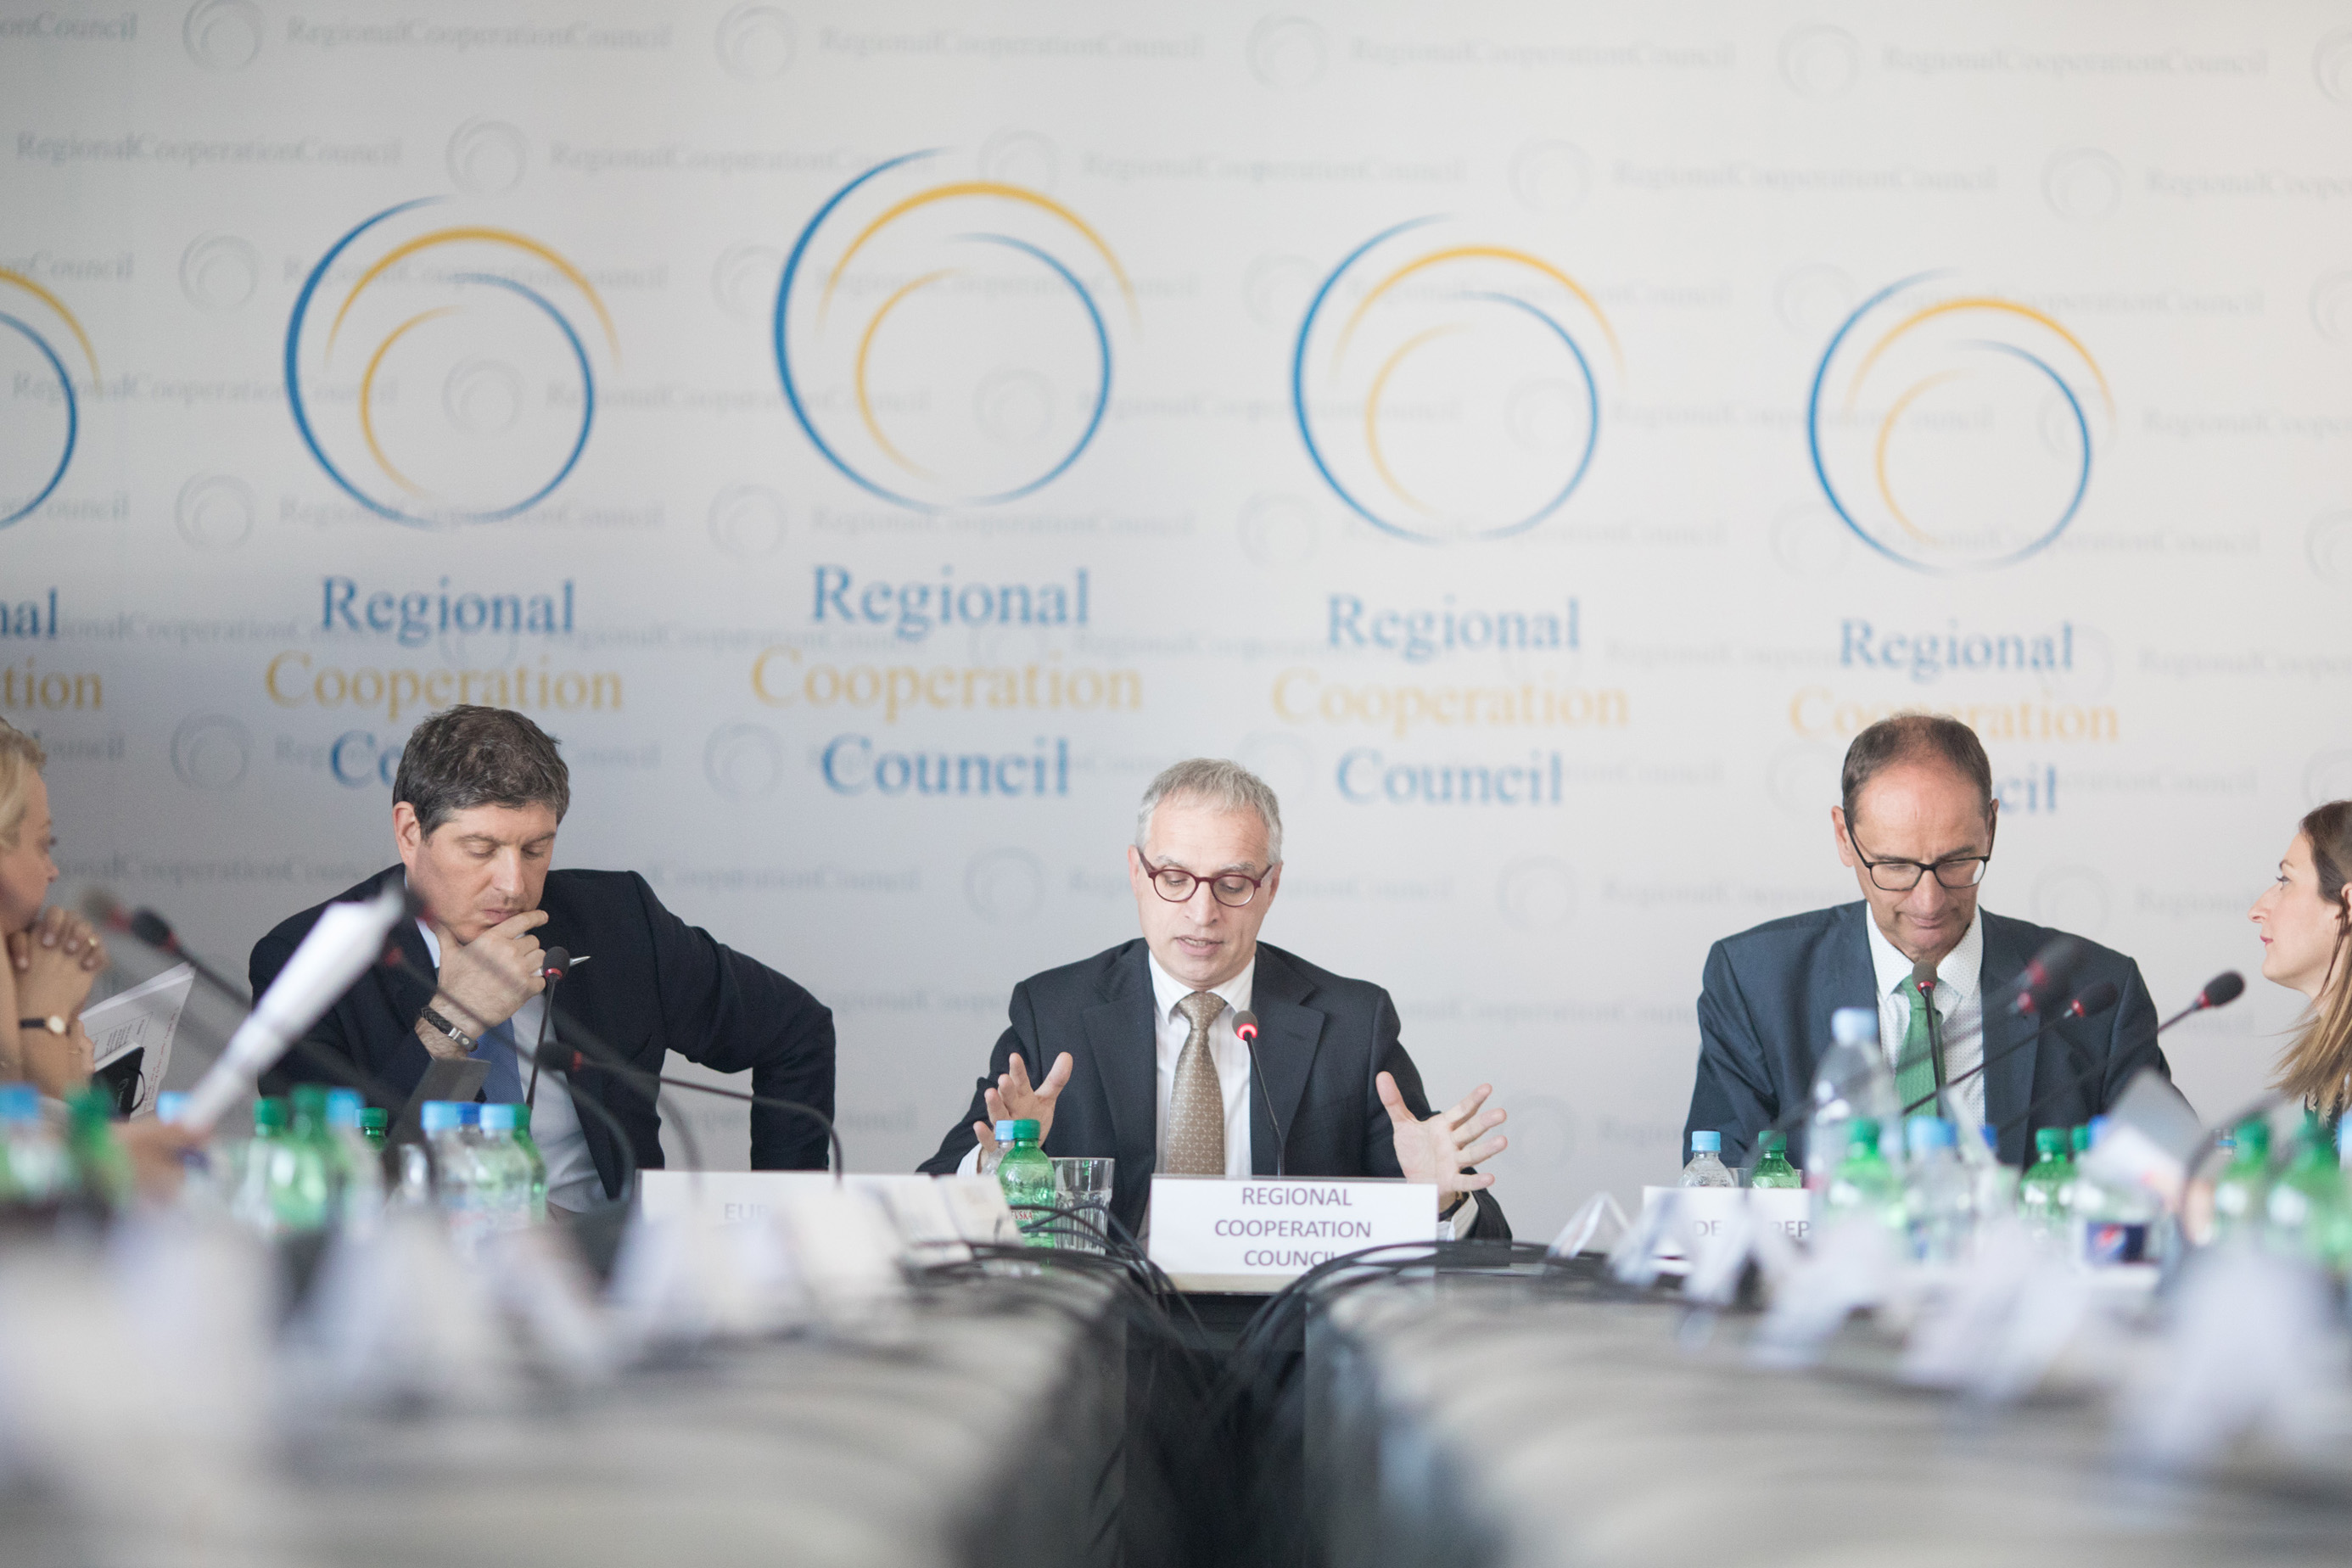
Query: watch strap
(52,1025)
(441,1025)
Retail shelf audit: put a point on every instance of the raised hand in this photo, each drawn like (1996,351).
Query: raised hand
(1014,1100)
(1441,1149)
(492,975)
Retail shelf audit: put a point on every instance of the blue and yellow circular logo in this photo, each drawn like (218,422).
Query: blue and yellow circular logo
(441,374)
(1954,428)
(944,342)
(1451,390)
(38,447)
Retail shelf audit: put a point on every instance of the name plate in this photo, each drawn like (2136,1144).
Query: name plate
(1700,1213)
(1256,1236)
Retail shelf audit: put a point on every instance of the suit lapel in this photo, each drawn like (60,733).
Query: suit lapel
(1848,980)
(1289,1034)
(2014,1041)
(1122,1034)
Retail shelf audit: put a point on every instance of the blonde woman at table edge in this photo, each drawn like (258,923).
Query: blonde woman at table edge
(53,955)
(2305,920)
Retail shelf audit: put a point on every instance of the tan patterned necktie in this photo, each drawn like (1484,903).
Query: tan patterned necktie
(1196,1108)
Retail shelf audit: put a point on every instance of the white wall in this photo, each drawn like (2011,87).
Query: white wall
(1662,216)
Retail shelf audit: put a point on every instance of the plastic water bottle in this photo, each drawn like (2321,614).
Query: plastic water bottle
(1938,1193)
(1851,1082)
(1995,1185)
(2115,1223)
(359,1168)
(2307,1208)
(2243,1190)
(458,1175)
(1027,1174)
(529,1148)
(37,1172)
(1865,1185)
(2041,1191)
(375,1126)
(1772,1167)
(302,1167)
(506,1170)
(1706,1168)
(249,1203)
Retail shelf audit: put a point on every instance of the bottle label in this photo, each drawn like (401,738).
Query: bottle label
(2112,1241)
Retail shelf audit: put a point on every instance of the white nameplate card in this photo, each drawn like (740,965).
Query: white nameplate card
(921,1213)
(1700,1213)
(1256,1236)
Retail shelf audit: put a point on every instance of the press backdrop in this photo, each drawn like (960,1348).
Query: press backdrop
(875,438)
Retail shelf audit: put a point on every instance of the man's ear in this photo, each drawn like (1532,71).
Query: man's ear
(1844,840)
(407,832)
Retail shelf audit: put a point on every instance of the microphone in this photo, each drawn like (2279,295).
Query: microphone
(151,930)
(2045,974)
(2219,992)
(1922,975)
(2095,997)
(1245,1026)
(553,964)
(557,1056)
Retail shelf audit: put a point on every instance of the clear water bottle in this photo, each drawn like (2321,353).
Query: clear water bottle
(249,1203)
(457,1177)
(1706,1168)
(2115,1223)
(529,1148)
(1851,1081)
(1938,1193)
(2243,1188)
(506,1170)
(359,1167)
(1027,1174)
(37,1172)
(1864,1186)
(1772,1167)
(1995,1184)
(2042,1190)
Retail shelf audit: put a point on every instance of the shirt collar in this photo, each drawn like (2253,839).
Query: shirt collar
(1167,990)
(432,942)
(1961,971)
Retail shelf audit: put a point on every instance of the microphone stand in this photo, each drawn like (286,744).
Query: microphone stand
(1245,1027)
(599,1057)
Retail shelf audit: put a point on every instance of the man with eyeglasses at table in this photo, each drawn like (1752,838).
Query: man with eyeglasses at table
(1146,1066)
(1915,826)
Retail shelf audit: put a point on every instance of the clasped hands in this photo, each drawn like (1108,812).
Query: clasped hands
(51,966)
(1438,1150)
(488,978)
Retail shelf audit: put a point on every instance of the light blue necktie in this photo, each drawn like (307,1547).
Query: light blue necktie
(503,1085)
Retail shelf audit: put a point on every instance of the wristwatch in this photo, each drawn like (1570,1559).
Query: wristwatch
(439,1025)
(53,1023)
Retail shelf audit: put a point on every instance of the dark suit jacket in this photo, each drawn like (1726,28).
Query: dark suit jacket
(651,983)
(1764,1020)
(1322,1039)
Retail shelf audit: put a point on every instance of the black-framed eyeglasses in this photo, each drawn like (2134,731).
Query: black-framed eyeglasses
(1175,884)
(1953,871)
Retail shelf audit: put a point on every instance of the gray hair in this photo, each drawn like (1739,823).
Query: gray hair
(1213,781)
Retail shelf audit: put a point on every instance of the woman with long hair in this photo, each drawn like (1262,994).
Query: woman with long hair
(53,955)
(2305,917)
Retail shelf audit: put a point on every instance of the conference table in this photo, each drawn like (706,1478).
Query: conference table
(1510,1421)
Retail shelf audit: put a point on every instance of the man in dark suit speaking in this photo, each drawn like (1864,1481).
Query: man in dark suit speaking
(1915,826)
(474,809)
(1132,1053)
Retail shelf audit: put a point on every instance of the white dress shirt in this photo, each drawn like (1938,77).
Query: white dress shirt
(1959,1010)
(1171,1029)
(571,1179)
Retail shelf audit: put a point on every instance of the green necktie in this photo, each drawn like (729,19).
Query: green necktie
(1915,1070)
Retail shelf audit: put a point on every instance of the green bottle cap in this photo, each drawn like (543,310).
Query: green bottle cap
(1862,1131)
(1773,1143)
(2051,1140)
(2080,1138)
(268,1116)
(309,1103)
(1025,1129)
(375,1118)
(523,1120)
(2254,1138)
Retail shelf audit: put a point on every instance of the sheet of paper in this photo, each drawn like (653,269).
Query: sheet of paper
(143,1019)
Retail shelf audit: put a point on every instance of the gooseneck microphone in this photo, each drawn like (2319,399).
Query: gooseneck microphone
(2095,997)
(2045,975)
(149,929)
(557,1056)
(1245,1026)
(2219,992)
(553,965)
